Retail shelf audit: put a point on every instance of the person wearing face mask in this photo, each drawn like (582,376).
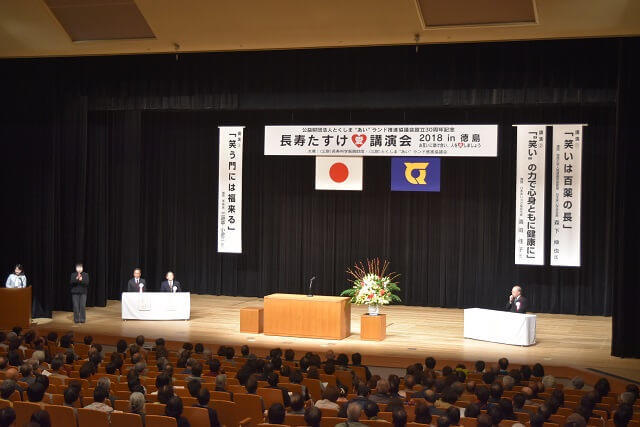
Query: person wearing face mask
(170,285)
(136,283)
(79,283)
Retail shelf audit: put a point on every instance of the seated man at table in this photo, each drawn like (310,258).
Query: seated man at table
(517,302)
(170,285)
(136,283)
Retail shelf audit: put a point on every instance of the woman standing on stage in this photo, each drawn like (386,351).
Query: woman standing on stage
(79,283)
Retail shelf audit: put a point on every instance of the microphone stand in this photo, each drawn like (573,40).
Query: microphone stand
(310,294)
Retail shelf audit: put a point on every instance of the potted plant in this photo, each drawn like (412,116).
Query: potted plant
(372,285)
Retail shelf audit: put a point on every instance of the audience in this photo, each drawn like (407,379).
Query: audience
(203,402)
(174,410)
(276,414)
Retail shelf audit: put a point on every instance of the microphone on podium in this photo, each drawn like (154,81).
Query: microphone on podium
(310,294)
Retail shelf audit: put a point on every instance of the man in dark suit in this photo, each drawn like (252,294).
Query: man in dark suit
(79,283)
(517,303)
(169,284)
(136,281)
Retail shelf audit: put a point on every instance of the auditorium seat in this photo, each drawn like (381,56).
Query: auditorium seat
(4,403)
(120,419)
(121,405)
(92,418)
(236,388)
(345,378)
(471,422)
(328,412)
(294,420)
(160,421)
(314,387)
(291,387)
(15,396)
(270,396)
(383,423)
(155,408)
(228,412)
(220,395)
(250,405)
(198,417)
(24,410)
(331,421)
(387,416)
(329,379)
(508,423)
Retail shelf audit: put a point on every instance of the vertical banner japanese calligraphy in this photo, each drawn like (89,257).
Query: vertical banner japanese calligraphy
(530,185)
(230,189)
(566,195)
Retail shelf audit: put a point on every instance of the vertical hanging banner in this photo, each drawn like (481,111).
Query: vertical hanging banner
(566,194)
(530,184)
(230,189)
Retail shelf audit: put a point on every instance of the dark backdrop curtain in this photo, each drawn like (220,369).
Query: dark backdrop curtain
(113,161)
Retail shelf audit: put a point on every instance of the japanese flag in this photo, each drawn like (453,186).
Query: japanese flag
(339,173)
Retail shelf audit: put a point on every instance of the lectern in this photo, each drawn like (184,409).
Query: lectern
(15,307)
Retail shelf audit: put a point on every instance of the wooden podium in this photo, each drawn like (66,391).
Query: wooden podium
(15,307)
(318,316)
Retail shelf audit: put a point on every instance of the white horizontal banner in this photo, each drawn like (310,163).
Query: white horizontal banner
(382,140)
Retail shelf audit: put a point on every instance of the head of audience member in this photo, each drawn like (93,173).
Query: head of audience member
(71,396)
(194,387)
(331,393)
(136,403)
(484,420)
(174,408)
(503,363)
(632,388)
(549,382)
(622,416)
(383,386)
(508,382)
(229,353)
(371,409)
(276,414)
(577,383)
(7,417)
(443,421)
(422,413)
(40,418)
(482,393)
(453,413)
(88,339)
(537,370)
(121,346)
(203,396)
(496,414)
(603,387)
(7,387)
(100,394)
(14,357)
(35,392)
(399,417)
(430,363)
(472,410)
(297,402)
(575,420)
(165,394)
(313,416)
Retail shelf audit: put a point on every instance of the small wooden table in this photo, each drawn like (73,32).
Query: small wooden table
(319,316)
(15,307)
(251,320)
(373,328)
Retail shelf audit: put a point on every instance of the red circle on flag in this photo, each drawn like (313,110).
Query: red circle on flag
(339,172)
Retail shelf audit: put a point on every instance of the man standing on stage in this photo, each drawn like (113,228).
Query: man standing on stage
(170,285)
(79,283)
(517,303)
(137,283)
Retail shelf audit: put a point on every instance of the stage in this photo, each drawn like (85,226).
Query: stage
(412,334)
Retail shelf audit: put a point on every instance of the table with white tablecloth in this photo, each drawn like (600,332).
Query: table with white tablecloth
(156,305)
(502,327)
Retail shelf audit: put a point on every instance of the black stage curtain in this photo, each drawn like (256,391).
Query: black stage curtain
(113,161)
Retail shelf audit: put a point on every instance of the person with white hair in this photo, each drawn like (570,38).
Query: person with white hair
(508,382)
(136,405)
(517,302)
(549,382)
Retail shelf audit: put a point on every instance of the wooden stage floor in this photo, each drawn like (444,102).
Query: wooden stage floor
(412,334)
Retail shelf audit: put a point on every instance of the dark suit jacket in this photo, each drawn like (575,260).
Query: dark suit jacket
(511,306)
(79,286)
(164,287)
(133,287)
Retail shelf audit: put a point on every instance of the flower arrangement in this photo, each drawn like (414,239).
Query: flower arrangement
(371,284)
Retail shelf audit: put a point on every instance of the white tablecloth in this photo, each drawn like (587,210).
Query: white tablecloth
(500,326)
(156,305)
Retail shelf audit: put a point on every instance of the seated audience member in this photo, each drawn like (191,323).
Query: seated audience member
(244,351)
(165,394)
(329,398)
(371,410)
(196,372)
(479,366)
(575,420)
(443,421)
(7,387)
(40,418)
(98,404)
(7,417)
(472,410)
(26,373)
(214,367)
(35,393)
(56,369)
(276,414)
(508,382)
(503,364)
(448,399)
(297,404)
(518,401)
(353,413)
(453,415)
(536,420)
(71,396)
(356,360)
(174,410)
(495,393)
(194,387)
(507,409)
(422,413)
(495,412)
(382,394)
(362,398)
(482,394)
(272,379)
(313,416)
(203,402)
(537,370)
(484,420)
(399,417)
(295,377)
(622,416)
(136,405)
